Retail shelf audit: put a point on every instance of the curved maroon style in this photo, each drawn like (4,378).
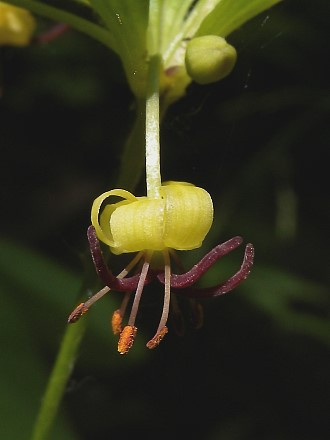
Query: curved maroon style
(121,285)
(180,283)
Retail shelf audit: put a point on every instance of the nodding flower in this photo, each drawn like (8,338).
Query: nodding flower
(178,220)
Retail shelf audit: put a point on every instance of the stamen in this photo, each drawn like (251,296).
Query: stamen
(117,317)
(126,339)
(139,290)
(162,329)
(156,340)
(130,265)
(116,321)
(167,292)
(77,313)
(80,310)
(127,336)
(97,296)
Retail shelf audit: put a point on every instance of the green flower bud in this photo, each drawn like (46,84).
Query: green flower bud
(209,58)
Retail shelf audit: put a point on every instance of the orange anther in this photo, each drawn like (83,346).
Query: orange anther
(116,321)
(126,339)
(77,313)
(156,340)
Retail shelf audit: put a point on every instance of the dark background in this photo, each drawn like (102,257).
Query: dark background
(258,142)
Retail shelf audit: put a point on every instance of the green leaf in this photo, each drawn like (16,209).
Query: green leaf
(228,15)
(197,14)
(186,25)
(127,21)
(173,13)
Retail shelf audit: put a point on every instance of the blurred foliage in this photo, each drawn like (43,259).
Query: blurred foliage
(258,369)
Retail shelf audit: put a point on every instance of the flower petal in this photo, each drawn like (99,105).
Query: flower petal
(138,225)
(188,215)
(95,213)
(180,219)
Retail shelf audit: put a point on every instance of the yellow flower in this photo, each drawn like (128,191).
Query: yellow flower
(16,25)
(179,220)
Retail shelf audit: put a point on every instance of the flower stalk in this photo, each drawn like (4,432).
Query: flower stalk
(153,177)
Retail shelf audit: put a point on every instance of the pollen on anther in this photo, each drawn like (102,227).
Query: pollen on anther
(116,322)
(126,339)
(78,312)
(157,339)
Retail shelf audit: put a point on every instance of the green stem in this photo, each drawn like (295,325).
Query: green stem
(153,176)
(58,379)
(152,130)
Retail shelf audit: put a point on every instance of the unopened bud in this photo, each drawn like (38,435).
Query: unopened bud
(209,58)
